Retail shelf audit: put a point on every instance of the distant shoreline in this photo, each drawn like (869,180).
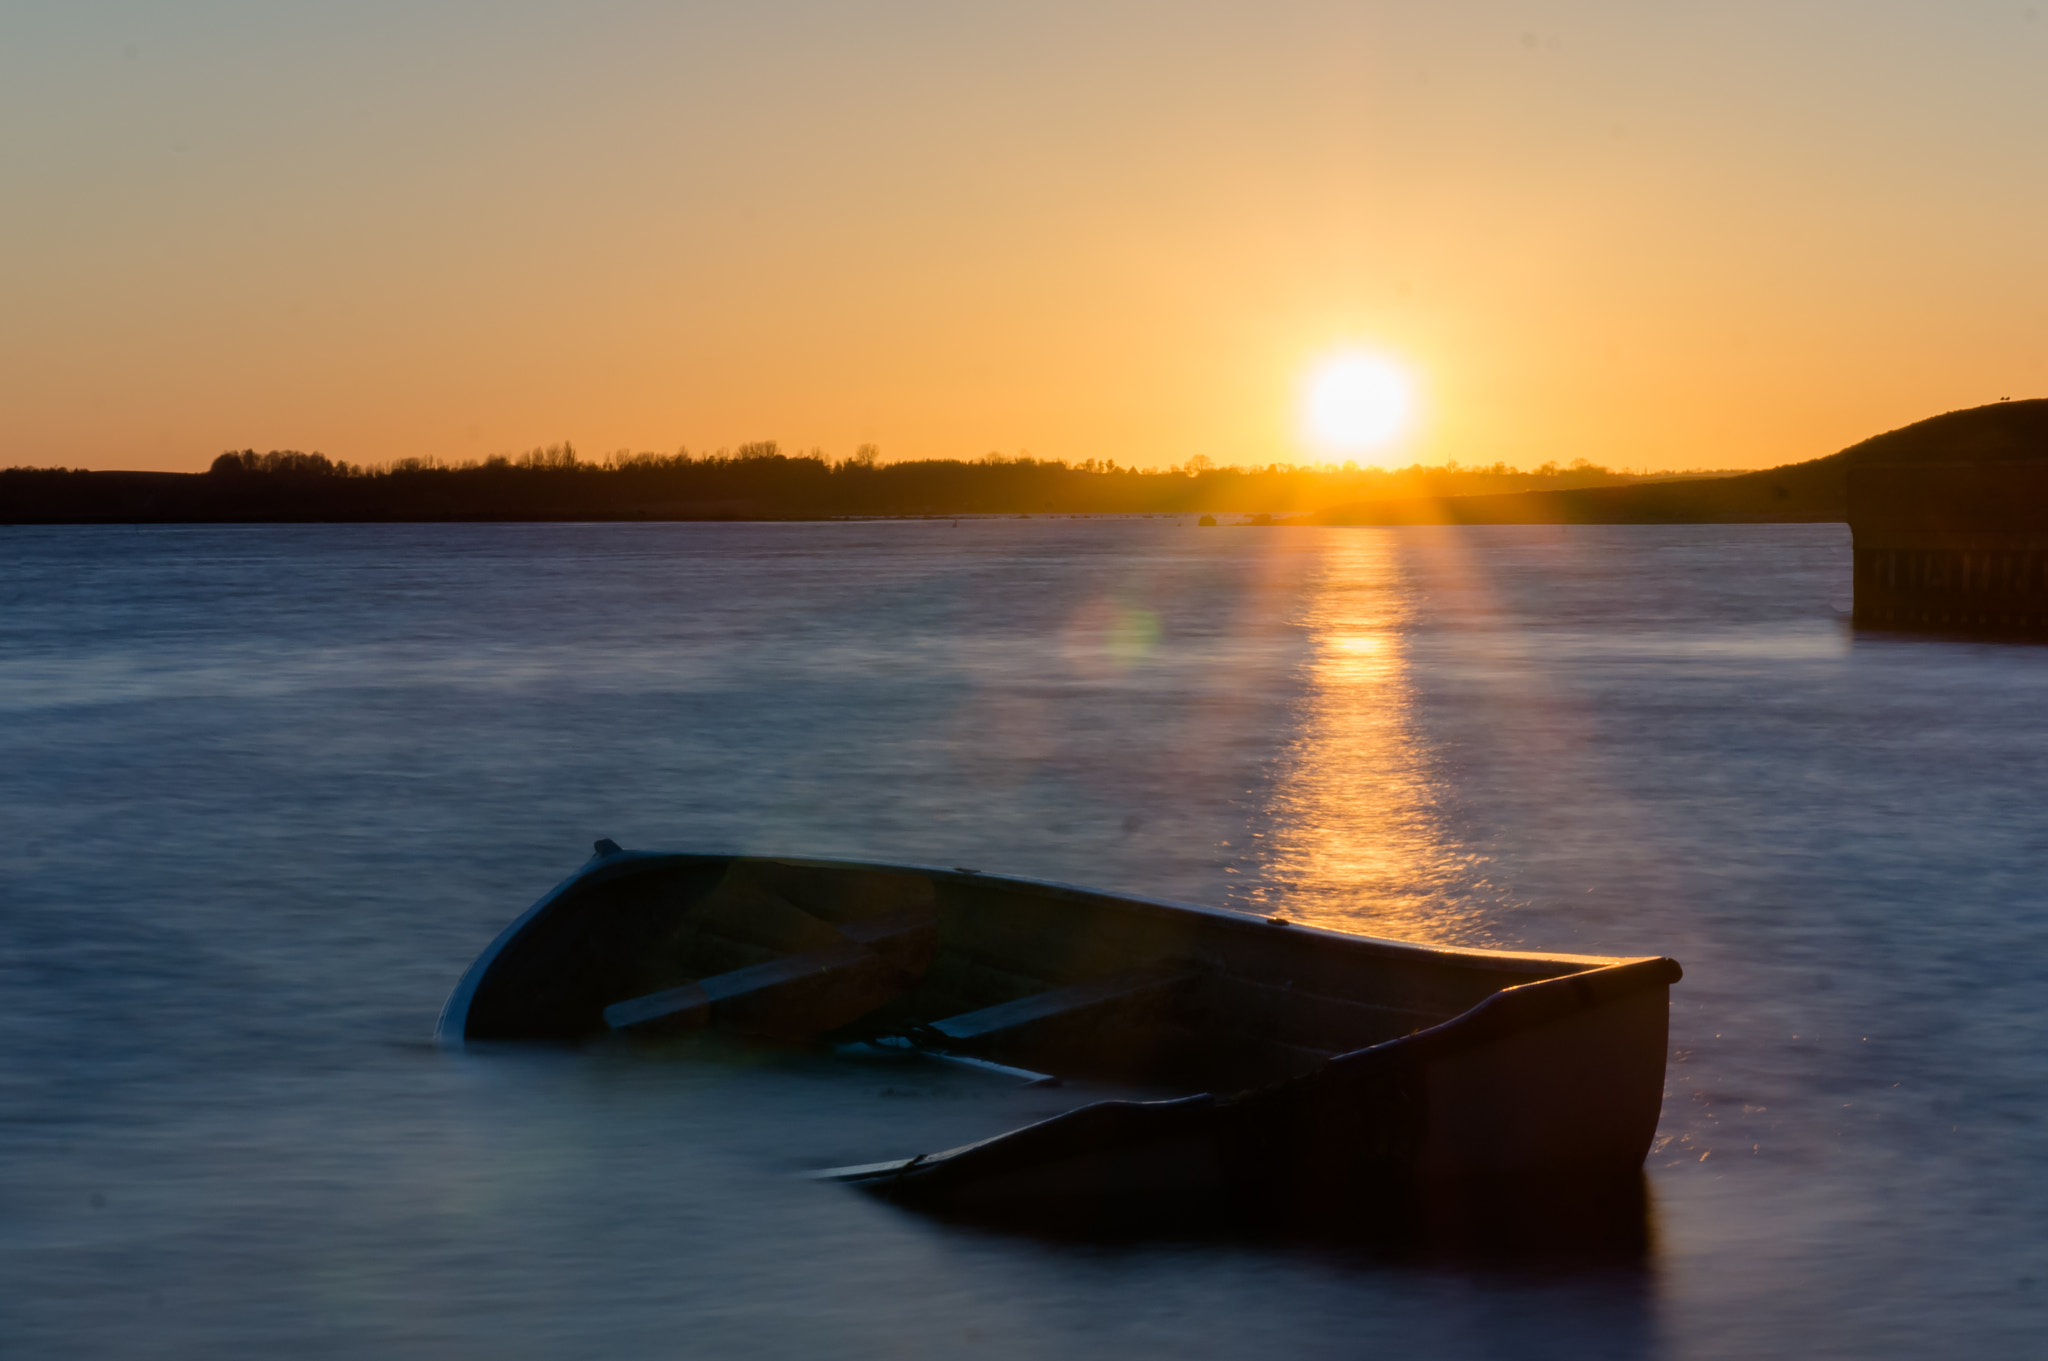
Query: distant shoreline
(760,483)
(757,483)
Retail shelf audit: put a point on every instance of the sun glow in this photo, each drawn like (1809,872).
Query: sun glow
(1355,402)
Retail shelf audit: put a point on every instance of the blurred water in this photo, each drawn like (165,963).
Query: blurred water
(265,791)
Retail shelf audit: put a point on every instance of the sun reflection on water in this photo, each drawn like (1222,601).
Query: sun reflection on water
(1355,837)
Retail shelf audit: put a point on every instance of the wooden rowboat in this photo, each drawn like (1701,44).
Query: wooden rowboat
(1313,1065)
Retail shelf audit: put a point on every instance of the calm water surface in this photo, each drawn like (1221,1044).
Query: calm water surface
(265,791)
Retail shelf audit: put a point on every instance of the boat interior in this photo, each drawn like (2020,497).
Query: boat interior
(1053,980)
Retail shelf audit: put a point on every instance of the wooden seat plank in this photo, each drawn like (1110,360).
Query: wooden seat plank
(799,994)
(991,1023)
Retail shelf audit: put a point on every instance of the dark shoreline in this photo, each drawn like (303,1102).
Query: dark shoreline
(762,484)
(288,488)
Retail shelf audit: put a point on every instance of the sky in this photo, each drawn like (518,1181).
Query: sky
(1657,235)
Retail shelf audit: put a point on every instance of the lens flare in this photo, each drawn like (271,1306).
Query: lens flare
(1357,402)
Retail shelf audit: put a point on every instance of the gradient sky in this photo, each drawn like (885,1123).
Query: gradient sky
(1666,235)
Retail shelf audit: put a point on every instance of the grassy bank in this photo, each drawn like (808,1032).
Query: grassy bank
(1816,490)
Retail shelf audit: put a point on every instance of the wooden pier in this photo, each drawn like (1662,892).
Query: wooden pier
(1951,547)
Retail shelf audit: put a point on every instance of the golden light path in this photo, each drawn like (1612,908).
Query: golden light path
(1356,839)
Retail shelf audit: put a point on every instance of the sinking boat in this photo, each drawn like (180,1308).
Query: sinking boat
(1299,1065)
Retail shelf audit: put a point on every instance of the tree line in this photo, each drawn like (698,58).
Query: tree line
(753,481)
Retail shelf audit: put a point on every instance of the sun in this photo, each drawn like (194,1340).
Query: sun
(1356,401)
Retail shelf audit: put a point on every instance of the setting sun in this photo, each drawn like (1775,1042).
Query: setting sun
(1355,402)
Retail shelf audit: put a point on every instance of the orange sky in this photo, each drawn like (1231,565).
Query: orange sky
(1651,235)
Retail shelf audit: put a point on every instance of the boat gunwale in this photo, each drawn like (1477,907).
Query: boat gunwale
(450,1028)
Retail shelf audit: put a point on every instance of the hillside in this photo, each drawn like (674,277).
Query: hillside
(1817,490)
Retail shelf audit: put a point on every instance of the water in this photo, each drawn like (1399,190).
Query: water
(265,791)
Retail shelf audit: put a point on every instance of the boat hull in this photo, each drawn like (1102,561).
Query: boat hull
(1544,1083)
(1322,1067)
